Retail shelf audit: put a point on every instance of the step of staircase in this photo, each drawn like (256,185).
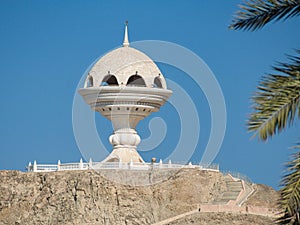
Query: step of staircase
(233,189)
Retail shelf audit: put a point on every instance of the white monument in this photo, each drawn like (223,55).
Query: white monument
(125,86)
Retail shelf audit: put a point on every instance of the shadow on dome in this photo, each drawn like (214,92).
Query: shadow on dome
(109,80)
(157,83)
(136,80)
(89,82)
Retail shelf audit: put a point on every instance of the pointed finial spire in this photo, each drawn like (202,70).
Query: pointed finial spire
(126,42)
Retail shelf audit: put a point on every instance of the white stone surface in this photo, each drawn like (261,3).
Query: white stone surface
(125,105)
(124,62)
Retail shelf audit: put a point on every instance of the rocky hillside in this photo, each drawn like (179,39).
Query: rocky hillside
(87,197)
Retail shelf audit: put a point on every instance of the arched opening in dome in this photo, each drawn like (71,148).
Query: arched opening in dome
(157,83)
(136,80)
(90,81)
(109,80)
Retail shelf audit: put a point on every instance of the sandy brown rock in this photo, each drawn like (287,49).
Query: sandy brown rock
(85,197)
(263,196)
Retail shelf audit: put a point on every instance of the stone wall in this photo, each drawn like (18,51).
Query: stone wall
(255,210)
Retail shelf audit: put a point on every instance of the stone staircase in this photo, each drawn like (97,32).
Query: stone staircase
(237,191)
(233,189)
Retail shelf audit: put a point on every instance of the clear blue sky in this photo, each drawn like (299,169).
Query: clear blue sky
(45,47)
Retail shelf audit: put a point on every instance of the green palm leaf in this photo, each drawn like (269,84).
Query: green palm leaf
(290,193)
(277,101)
(254,14)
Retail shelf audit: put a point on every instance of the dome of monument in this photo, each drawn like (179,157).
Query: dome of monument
(125,66)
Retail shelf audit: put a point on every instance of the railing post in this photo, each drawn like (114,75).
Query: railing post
(130,164)
(90,163)
(34,166)
(80,164)
(200,166)
(29,167)
(120,164)
(58,165)
(169,163)
(160,163)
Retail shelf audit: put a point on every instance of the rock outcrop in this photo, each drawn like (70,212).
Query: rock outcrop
(87,197)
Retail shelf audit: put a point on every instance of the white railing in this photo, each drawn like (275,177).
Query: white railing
(238,176)
(114,165)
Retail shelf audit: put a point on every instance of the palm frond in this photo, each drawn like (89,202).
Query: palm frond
(289,200)
(277,101)
(254,14)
